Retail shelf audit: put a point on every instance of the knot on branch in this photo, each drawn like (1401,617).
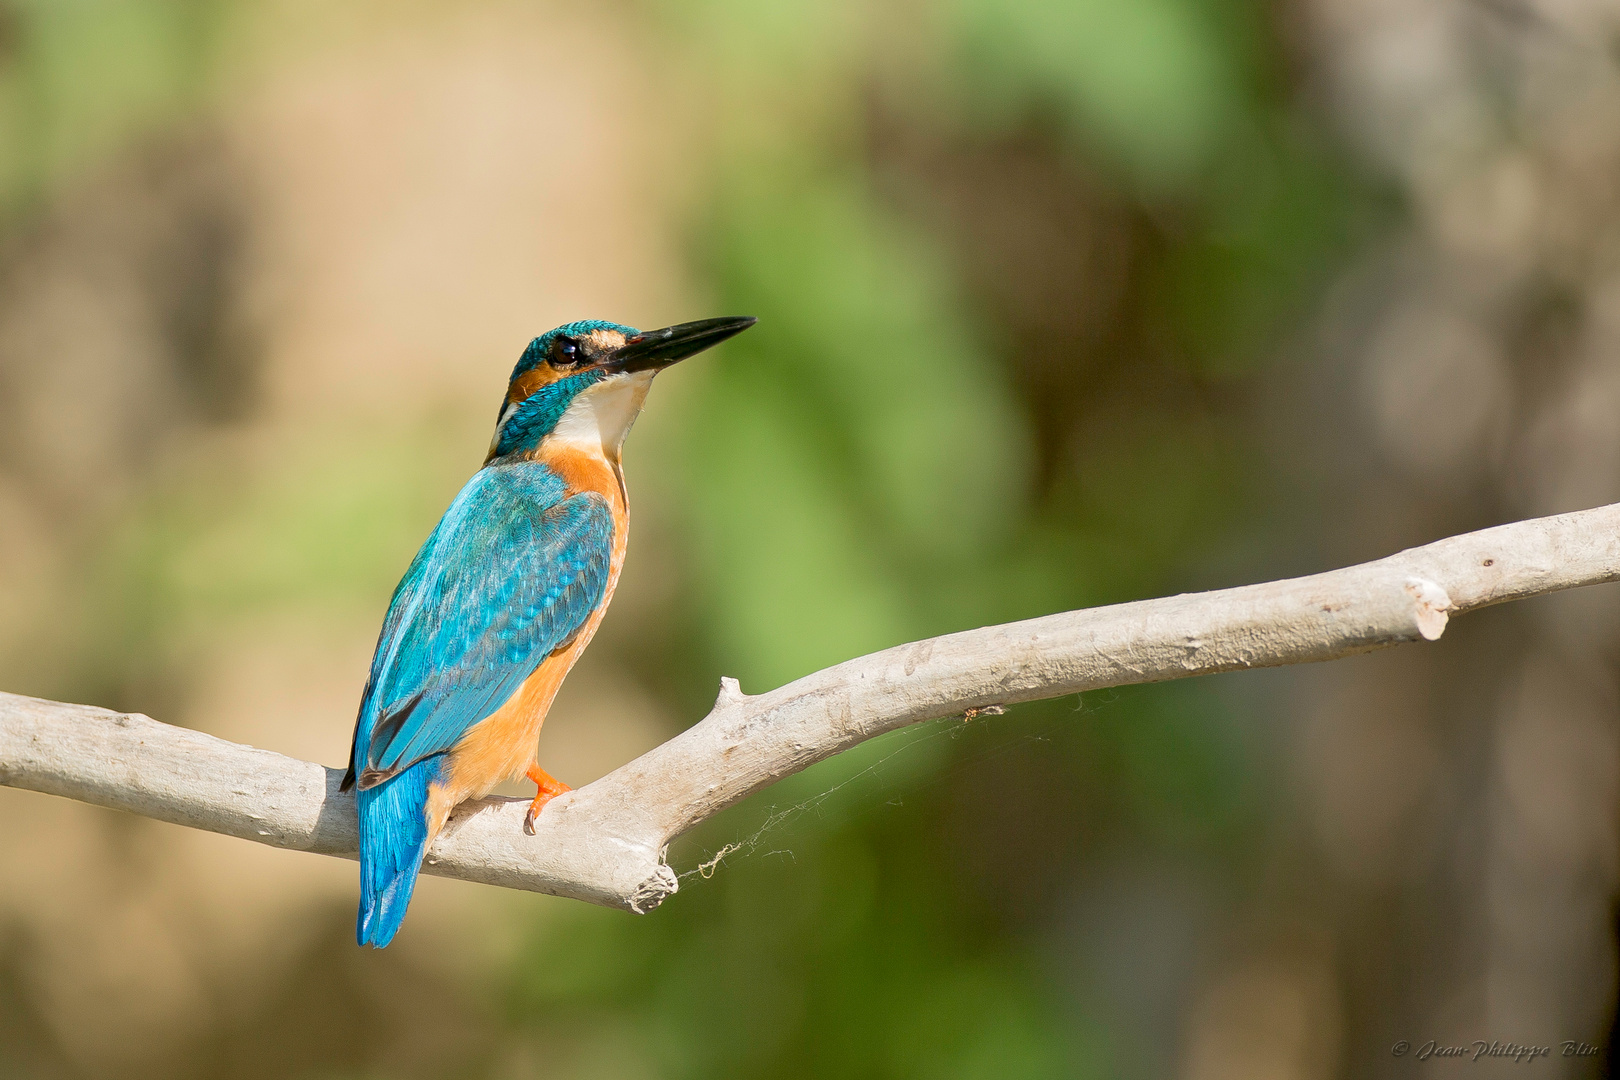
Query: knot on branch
(1432,604)
(730,693)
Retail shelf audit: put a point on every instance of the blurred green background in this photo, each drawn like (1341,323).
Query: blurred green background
(1061,303)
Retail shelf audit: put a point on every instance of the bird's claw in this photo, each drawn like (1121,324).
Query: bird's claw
(550,787)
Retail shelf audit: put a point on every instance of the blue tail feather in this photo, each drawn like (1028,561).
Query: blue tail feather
(393,840)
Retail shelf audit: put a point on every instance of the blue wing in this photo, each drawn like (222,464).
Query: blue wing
(512,572)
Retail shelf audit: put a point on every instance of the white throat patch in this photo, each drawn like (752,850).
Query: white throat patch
(599,418)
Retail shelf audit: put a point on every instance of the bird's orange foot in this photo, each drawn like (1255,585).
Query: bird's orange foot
(550,787)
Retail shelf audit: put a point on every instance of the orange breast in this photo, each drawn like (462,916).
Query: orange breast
(501,746)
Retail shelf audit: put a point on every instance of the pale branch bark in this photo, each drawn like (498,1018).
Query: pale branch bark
(605,842)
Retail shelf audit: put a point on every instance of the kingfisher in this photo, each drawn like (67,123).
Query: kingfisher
(500,601)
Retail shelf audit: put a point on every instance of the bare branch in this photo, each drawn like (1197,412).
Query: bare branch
(605,842)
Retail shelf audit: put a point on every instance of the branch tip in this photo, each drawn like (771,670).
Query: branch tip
(654,890)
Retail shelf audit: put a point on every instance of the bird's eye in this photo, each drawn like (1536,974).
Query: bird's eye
(565,352)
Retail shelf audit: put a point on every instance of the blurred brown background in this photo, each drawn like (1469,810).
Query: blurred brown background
(1062,302)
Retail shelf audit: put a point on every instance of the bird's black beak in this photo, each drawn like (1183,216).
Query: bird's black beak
(657,349)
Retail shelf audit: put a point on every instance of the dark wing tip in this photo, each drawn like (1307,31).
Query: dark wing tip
(387,730)
(370,778)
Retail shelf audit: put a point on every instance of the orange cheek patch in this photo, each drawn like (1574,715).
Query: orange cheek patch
(530,381)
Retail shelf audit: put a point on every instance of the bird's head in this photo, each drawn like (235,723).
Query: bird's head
(586,381)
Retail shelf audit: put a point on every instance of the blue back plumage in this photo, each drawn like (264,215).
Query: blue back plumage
(511,573)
